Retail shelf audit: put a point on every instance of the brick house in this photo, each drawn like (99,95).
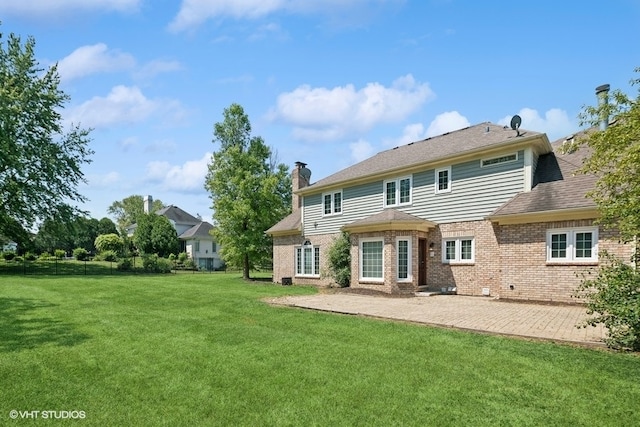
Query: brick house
(484,210)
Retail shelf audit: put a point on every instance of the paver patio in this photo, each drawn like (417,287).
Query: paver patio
(554,322)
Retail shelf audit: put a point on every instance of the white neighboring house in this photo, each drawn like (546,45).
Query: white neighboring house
(193,233)
(10,246)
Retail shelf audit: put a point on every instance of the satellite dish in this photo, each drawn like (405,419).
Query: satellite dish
(516,121)
(305,173)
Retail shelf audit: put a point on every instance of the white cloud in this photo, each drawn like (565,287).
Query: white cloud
(326,114)
(446,122)
(555,123)
(156,67)
(93,59)
(123,104)
(194,12)
(361,150)
(104,181)
(411,133)
(188,177)
(57,7)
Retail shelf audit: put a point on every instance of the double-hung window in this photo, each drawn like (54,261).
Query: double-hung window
(397,192)
(443,180)
(459,250)
(403,250)
(332,203)
(372,259)
(572,245)
(308,260)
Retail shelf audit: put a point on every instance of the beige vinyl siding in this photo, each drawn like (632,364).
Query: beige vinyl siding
(475,193)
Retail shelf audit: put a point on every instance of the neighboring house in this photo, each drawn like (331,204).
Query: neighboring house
(10,246)
(193,233)
(484,210)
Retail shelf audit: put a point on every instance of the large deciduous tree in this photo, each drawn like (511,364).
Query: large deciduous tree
(613,294)
(128,210)
(41,162)
(154,234)
(615,158)
(250,192)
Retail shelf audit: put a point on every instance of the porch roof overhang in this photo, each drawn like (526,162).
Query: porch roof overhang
(545,216)
(389,220)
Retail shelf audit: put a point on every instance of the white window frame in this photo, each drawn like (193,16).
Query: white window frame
(499,160)
(361,263)
(397,192)
(300,262)
(333,207)
(458,250)
(571,245)
(437,180)
(409,277)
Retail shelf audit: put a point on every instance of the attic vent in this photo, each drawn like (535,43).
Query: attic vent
(493,161)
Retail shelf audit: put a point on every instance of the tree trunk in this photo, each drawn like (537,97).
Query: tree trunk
(245,267)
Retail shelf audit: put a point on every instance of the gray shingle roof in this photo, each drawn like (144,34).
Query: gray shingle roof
(390,219)
(178,215)
(557,186)
(200,230)
(288,225)
(478,138)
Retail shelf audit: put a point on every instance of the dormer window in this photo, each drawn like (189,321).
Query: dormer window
(397,192)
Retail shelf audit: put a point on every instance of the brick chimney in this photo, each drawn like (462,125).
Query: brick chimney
(300,178)
(148,204)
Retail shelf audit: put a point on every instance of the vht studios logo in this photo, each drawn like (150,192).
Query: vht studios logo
(57,415)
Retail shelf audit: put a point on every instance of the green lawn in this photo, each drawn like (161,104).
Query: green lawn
(205,350)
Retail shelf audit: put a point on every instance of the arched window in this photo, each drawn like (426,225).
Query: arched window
(307,260)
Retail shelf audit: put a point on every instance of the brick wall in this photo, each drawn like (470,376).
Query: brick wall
(525,272)
(469,279)
(284,258)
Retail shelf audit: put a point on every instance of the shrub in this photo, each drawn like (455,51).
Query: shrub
(124,264)
(59,253)
(155,264)
(8,255)
(30,256)
(45,256)
(339,260)
(182,257)
(80,254)
(172,257)
(190,265)
(613,299)
(107,256)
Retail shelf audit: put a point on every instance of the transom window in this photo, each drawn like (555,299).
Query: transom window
(332,203)
(499,160)
(458,250)
(572,245)
(443,180)
(371,259)
(307,260)
(397,192)
(403,248)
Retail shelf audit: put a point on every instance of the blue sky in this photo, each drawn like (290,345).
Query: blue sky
(326,82)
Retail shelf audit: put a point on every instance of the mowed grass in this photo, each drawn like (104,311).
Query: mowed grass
(206,350)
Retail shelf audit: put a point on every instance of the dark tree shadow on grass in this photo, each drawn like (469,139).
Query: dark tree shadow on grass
(21,328)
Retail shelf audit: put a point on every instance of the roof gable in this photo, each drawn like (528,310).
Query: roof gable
(474,140)
(178,215)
